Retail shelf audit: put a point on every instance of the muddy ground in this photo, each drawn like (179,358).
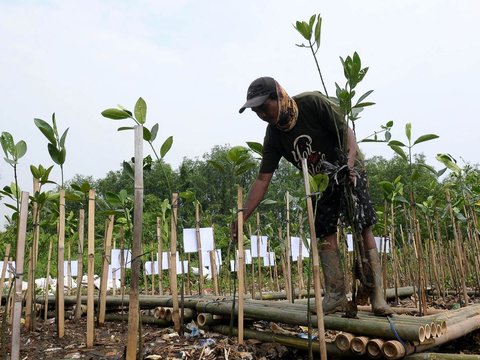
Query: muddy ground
(164,343)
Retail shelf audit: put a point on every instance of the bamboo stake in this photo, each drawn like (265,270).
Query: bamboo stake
(90,267)
(69,270)
(241,261)
(122,261)
(301,285)
(252,268)
(213,271)
(31,274)
(49,259)
(4,269)
(199,248)
(159,255)
(173,264)
(269,250)
(152,272)
(114,271)
(133,309)
(28,295)
(60,274)
(104,278)
(288,277)
(17,310)
(457,248)
(259,266)
(316,264)
(81,224)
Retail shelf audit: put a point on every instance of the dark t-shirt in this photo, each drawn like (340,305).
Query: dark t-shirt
(313,137)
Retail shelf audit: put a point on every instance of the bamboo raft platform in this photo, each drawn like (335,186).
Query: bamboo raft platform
(376,337)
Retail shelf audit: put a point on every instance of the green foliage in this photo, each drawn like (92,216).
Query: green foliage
(13,151)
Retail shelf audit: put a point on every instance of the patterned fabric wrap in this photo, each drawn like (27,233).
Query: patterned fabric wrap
(333,204)
(287,110)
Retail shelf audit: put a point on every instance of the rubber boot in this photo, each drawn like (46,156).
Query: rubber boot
(373,272)
(334,298)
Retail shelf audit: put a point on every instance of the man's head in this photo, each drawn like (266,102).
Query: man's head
(259,91)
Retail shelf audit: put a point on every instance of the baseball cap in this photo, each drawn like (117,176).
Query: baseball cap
(258,92)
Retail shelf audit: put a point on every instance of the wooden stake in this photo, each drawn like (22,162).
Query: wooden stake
(241,260)
(133,308)
(288,277)
(259,266)
(173,264)
(17,310)
(159,255)
(60,274)
(107,250)
(81,230)
(213,271)
(28,295)
(90,268)
(316,264)
(4,269)
(199,248)
(49,260)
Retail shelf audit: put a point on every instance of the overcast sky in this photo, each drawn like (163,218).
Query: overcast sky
(192,62)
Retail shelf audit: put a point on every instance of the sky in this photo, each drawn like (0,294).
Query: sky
(192,61)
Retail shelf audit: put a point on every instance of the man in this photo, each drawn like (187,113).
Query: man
(310,126)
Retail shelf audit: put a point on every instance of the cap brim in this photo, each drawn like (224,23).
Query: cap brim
(253,102)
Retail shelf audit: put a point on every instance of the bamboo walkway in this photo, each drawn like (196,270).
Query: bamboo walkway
(376,337)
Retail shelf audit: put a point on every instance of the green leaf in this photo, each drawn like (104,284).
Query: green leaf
(268,202)
(187,195)
(20,149)
(389,124)
(364,96)
(123,128)
(55,154)
(426,137)
(35,172)
(147,135)
(154,132)
(243,168)
(396,143)
(449,162)
(321,181)
(62,139)
(429,168)
(318,30)
(141,111)
(127,167)
(46,130)
(115,114)
(7,143)
(256,147)
(302,28)
(166,146)
(217,165)
(364,104)
(399,151)
(408,131)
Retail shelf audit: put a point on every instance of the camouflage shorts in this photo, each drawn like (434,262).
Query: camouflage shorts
(332,206)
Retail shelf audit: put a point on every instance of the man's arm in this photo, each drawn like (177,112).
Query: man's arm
(254,197)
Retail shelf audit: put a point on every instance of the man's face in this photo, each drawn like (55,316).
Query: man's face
(268,111)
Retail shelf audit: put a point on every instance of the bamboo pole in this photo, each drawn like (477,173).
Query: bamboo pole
(152,272)
(49,259)
(259,266)
(4,269)
(213,271)
(60,273)
(133,309)
(241,261)
(81,225)
(457,248)
(316,264)
(29,294)
(199,248)
(173,263)
(17,310)
(69,269)
(106,262)
(159,255)
(288,262)
(31,274)
(90,268)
